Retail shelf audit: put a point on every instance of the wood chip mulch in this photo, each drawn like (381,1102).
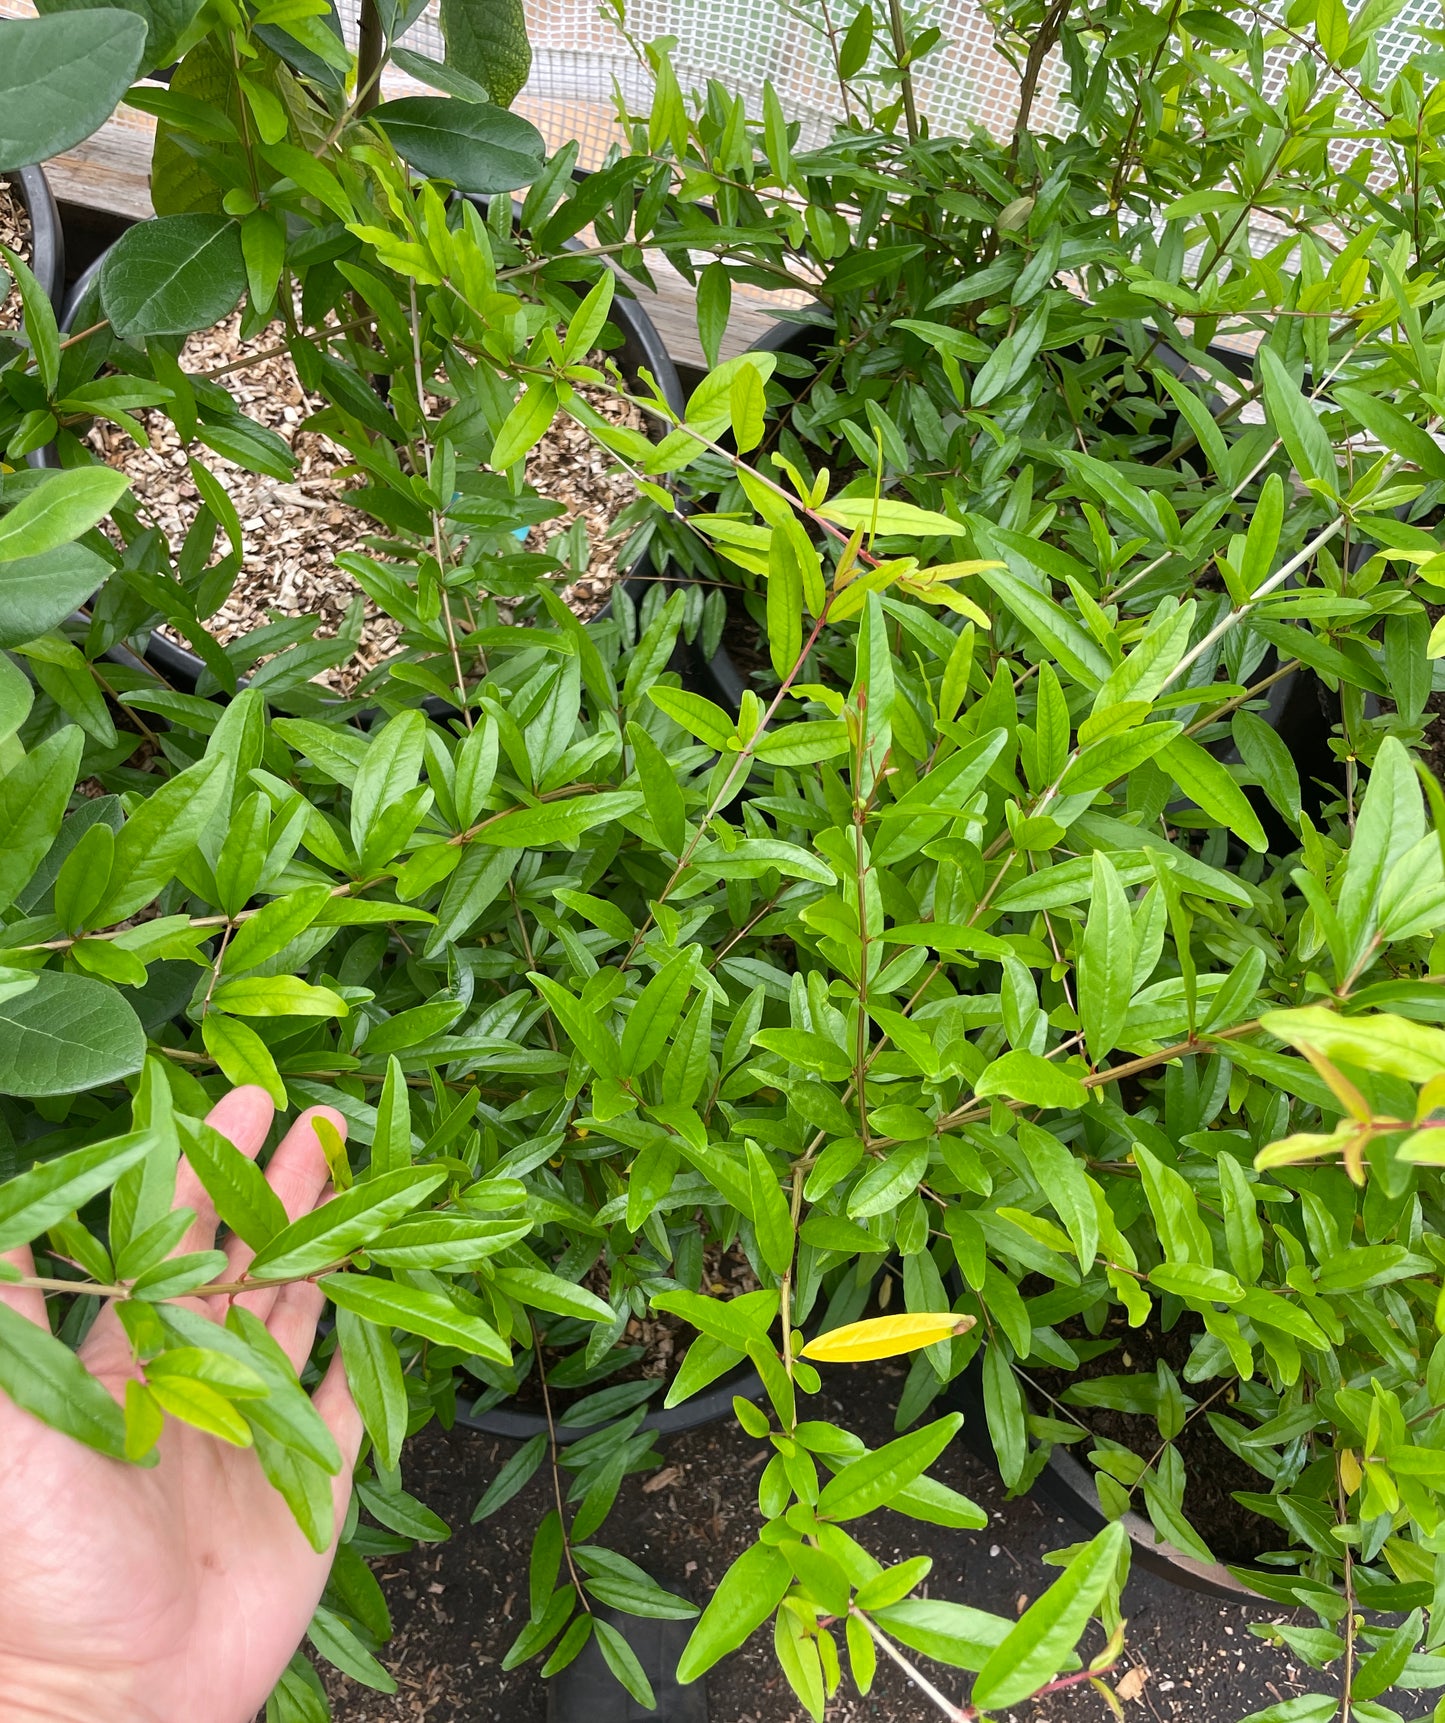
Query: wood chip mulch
(578,473)
(293,532)
(14,233)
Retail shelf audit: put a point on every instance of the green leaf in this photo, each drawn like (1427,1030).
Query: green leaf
(772,1220)
(235,1184)
(661,792)
(479,148)
(544,1291)
(1106,962)
(1052,626)
(1385,1665)
(67,1034)
(706,720)
(241,1054)
(514,1475)
(159,835)
(339,1645)
(277,996)
(1064,1182)
(429,1314)
(61,79)
(590,1037)
(445,1240)
(1026,1077)
(1393,1046)
(439,76)
(487,40)
(1209,786)
(1295,422)
(402,1513)
(1269,760)
(524,427)
(391,1146)
(389,768)
(50,515)
(1390,822)
(735,1322)
(44,1377)
(17,696)
(1393,431)
(32,1203)
(33,798)
(714,306)
(1043,1639)
(346,1223)
(167,22)
(951,1633)
(561,823)
(622,1661)
(173,275)
(653,1019)
(1004,1407)
(885,515)
(750,858)
(1243,1234)
(871,1482)
(747,1595)
(202,1407)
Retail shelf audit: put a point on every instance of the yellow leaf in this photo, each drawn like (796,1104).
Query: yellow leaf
(1350,1474)
(885,1337)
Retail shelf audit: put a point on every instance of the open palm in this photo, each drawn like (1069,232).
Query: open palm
(175,1594)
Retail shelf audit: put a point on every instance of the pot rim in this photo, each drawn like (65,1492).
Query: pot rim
(47,236)
(1066,1486)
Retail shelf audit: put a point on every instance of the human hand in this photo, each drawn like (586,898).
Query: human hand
(175,1594)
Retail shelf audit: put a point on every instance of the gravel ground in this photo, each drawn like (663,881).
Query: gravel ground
(294,531)
(458,1605)
(14,234)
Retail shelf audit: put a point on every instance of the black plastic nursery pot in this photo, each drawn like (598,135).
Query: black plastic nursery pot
(641,348)
(517,1423)
(1068,1488)
(47,237)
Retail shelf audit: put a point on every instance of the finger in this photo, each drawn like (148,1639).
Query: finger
(338,1411)
(244,1116)
(293,1318)
(28,1301)
(299,1175)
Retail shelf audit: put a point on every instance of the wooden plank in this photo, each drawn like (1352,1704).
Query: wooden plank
(110,171)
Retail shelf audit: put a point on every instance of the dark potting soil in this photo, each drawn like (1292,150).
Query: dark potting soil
(1212,1472)
(744,640)
(458,1605)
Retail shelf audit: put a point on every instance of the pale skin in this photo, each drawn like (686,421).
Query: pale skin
(175,1594)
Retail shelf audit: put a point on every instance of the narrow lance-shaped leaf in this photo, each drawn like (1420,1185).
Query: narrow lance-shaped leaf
(1042,1641)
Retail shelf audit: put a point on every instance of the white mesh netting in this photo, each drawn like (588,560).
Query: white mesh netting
(580,57)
